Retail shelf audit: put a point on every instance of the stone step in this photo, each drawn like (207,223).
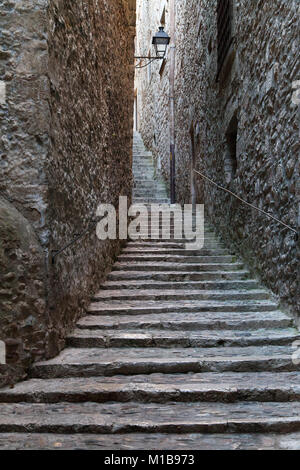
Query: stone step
(134,307)
(174,321)
(184,267)
(184,339)
(206,238)
(153,189)
(179,276)
(151,200)
(110,418)
(130,250)
(160,388)
(150,187)
(144,193)
(148,184)
(146,180)
(144,183)
(157,441)
(175,252)
(145,167)
(89,362)
(142,177)
(147,189)
(154,295)
(140,154)
(160,244)
(143,172)
(201,243)
(184,285)
(170,232)
(145,221)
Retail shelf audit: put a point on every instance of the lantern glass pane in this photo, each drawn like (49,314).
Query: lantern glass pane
(160,50)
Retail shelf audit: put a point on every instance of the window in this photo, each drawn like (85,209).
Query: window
(224,16)
(163,17)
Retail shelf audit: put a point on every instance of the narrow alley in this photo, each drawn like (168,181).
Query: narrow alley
(180,349)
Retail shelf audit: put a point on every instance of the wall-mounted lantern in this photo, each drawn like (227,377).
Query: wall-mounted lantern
(160,40)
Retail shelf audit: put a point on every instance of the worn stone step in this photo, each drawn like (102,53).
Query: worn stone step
(131,417)
(160,388)
(147,237)
(88,362)
(181,285)
(182,258)
(147,222)
(164,266)
(157,441)
(142,158)
(133,307)
(169,224)
(209,247)
(185,339)
(159,244)
(169,235)
(149,193)
(175,321)
(159,229)
(174,251)
(165,245)
(151,186)
(144,178)
(141,177)
(159,190)
(145,183)
(173,294)
(158,198)
(175,276)
(150,200)
(162,242)
(144,173)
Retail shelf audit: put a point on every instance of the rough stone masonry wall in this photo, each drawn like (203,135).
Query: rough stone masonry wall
(24,147)
(91,84)
(65,146)
(256,86)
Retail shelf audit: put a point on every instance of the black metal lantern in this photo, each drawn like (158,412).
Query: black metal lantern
(161,41)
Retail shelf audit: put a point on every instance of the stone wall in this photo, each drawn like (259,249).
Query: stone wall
(66,143)
(254,94)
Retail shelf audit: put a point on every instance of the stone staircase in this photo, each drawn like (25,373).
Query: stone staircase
(181,349)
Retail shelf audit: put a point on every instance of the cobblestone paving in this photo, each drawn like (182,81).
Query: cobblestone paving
(181,349)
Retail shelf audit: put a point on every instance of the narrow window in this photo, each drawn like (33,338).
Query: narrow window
(163,17)
(224,16)
(231,154)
